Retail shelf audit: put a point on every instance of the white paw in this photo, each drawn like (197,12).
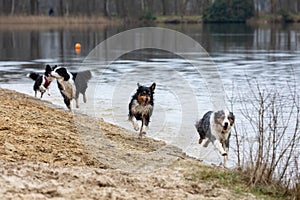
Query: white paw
(136,126)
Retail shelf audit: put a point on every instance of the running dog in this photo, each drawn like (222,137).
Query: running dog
(42,82)
(141,107)
(71,84)
(215,127)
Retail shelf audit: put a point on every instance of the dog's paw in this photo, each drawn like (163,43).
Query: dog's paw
(143,130)
(141,134)
(136,126)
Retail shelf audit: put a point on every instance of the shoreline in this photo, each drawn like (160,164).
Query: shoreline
(30,20)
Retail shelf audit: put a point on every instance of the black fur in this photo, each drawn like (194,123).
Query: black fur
(42,82)
(142,110)
(203,126)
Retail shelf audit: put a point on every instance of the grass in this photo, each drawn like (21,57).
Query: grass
(231,179)
(29,20)
(46,22)
(179,19)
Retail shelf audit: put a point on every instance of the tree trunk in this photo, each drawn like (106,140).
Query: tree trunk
(12,12)
(61,8)
(273,6)
(164,7)
(106,8)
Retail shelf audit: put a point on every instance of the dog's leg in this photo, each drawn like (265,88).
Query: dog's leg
(84,97)
(142,131)
(226,147)
(77,99)
(219,147)
(67,102)
(225,161)
(48,91)
(35,93)
(134,123)
(205,144)
(77,102)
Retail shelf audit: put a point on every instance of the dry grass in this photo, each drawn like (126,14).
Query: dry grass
(22,22)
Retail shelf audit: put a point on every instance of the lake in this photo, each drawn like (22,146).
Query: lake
(193,65)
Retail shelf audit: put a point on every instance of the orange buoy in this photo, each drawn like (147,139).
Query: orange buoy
(77,48)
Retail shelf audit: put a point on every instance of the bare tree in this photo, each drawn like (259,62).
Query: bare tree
(274,120)
(106,8)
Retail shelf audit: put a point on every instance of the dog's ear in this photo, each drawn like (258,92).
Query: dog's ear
(48,68)
(138,84)
(153,87)
(232,116)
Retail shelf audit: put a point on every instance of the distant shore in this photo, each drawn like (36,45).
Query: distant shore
(57,20)
(44,20)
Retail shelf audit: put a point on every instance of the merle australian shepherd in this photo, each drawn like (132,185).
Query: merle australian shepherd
(41,82)
(141,107)
(70,84)
(215,127)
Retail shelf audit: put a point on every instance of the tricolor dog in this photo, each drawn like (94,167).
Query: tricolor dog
(42,82)
(141,107)
(216,127)
(71,84)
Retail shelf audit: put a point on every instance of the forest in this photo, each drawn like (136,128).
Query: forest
(139,8)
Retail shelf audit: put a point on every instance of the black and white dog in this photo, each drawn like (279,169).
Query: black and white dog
(42,82)
(71,84)
(215,127)
(141,107)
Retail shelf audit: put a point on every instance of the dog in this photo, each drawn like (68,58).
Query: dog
(42,82)
(71,85)
(215,127)
(141,107)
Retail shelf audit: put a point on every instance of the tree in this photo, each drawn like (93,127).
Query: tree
(229,11)
(34,7)
(106,8)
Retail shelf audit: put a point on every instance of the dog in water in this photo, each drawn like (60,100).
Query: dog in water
(215,127)
(70,84)
(141,107)
(41,82)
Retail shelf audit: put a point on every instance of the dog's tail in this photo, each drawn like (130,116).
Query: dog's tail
(33,76)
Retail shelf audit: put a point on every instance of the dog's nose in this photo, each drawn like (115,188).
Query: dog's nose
(226,124)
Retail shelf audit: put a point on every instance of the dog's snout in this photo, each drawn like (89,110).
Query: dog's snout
(226,124)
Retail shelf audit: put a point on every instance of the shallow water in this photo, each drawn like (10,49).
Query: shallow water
(268,55)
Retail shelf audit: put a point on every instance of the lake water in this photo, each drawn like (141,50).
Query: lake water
(236,55)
